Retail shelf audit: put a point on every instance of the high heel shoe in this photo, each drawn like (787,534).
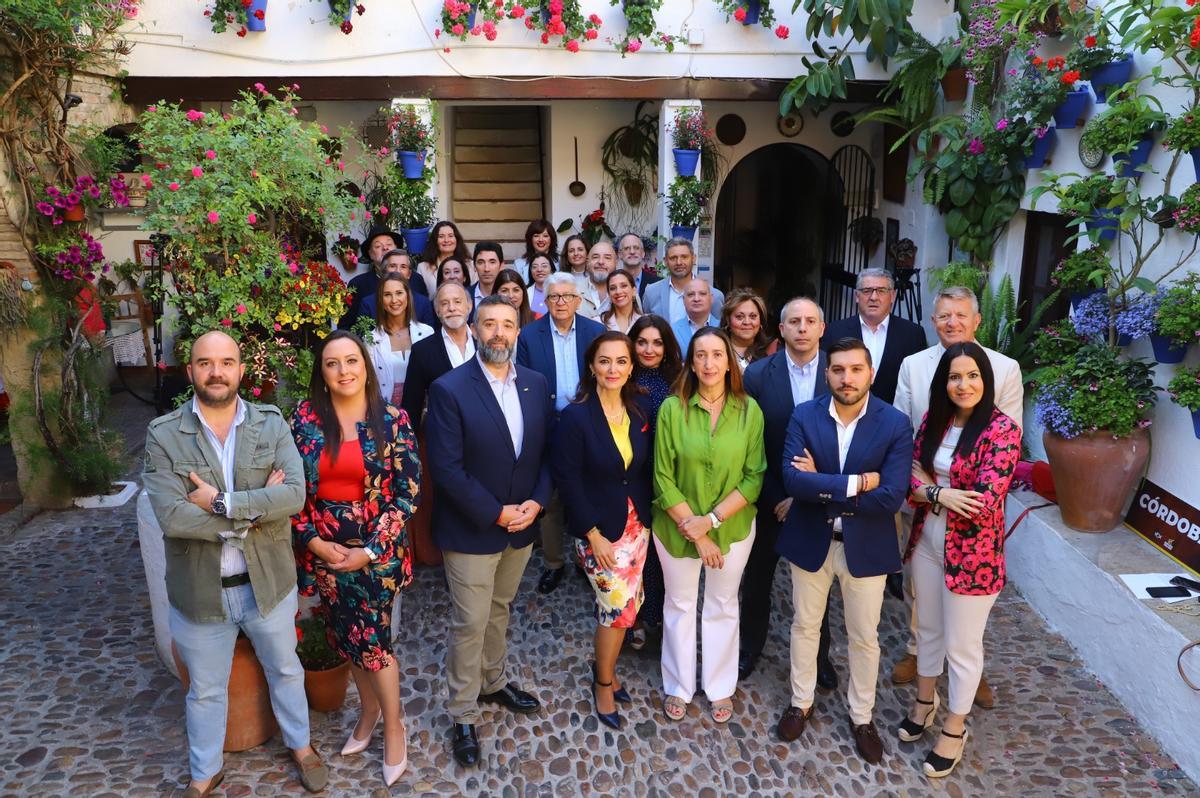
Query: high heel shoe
(911,731)
(620,694)
(393,772)
(937,766)
(609,719)
(356,746)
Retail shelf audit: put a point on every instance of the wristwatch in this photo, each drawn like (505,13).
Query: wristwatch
(372,556)
(716,522)
(219,504)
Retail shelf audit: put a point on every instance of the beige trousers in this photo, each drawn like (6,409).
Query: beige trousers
(863,601)
(482,586)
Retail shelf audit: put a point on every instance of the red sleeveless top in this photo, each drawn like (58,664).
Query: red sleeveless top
(341,480)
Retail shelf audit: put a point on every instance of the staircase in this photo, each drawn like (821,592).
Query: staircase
(496,174)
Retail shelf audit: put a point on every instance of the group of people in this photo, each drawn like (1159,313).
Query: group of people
(655,423)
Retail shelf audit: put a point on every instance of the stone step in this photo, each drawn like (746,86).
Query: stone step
(498,173)
(497,155)
(496,118)
(497,191)
(496,138)
(497,211)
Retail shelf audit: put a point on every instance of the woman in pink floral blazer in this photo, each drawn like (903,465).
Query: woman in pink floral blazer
(963,462)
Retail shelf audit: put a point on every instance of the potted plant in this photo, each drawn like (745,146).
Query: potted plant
(1184,390)
(1097,199)
(346,250)
(640,26)
(1126,131)
(629,156)
(1082,273)
(750,12)
(412,136)
(412,208)
(904,253)
(686,198)
(959,273)
(564,19)
(1094,408)
(1183,135)
(593,227)
(953,79)
(341,12)
(326,672)
(248,15)
(867,231)
(1177,320)
(689,133)
(1105,65)
(1187,212)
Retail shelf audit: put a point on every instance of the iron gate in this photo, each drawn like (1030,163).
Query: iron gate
(851,193)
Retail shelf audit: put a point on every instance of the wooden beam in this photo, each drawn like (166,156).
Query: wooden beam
(145,90)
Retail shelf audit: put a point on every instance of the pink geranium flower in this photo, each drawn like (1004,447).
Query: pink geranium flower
(213,217)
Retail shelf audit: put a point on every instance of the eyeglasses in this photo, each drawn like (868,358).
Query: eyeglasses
(942,318)
(558,299)
(873,291)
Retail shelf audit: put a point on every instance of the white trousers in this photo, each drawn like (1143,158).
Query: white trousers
(863,601)
(719,622)
(950,627)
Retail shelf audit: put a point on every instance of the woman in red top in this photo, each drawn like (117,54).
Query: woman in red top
(361,473)
(963,461)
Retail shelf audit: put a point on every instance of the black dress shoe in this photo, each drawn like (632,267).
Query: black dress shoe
(620,694)
(746,664)
(466,745)
(514,698)
(827,677)
(551,577)
(610,719)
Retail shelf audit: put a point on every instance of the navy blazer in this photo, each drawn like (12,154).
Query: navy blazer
(475,469)
(768,381)
(590,474)
(882,442)
(904,338)
(427,361)
(535,348)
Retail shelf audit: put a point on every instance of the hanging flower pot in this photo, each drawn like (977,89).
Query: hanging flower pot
(75,213)
(686,161)
(1195,153)
(753,9)
(1094,475)
(1166,350)
(633,192)
(954,84)
(1113,74)
(1077,298)
(683,231)
(1037,158)
(1070,113)
(412,164)
(1196,422)
(256,16)
(1106,221)
(415,238)
(1127,163)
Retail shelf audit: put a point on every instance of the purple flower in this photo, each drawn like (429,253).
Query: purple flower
(45,208)
(975,147)
(1002,124)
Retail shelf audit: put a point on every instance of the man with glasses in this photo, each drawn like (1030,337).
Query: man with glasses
(889,338)
(633,255)
(554,345)
(956,318)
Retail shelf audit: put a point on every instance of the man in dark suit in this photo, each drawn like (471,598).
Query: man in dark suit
(488,425)
(632,254)
(889,338)
(433,356)
(380,241)
(793,375)
(554,345)
(846,465)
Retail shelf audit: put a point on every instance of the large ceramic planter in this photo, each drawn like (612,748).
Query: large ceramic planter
(253,23)
(1040,154)
(1106,221)
(686,161)
(681,231)
(412,164)
(326,690)
(1072,110)
(249,720)
(1095,474)
(1112,75)
(954,85)
(1127,164)
(1166,350)
(415,239)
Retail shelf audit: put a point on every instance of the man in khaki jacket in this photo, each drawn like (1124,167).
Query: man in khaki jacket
(224,479)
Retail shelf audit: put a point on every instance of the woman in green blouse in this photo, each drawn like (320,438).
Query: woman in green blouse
(708,470)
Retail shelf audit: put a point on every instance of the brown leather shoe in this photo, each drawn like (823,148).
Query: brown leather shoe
(905,670)
(192,792)
(313,773)
(984,697)
(792,724)
(866,737)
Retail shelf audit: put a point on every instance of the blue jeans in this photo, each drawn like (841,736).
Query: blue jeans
(207,651)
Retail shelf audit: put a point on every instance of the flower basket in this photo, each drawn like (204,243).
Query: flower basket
(412,163)
(1110,75)
(1072,110)
(1166,350)
(954,84)
(683,231)
(256,16)
(415,238)
(1040,154)
(1127,164)
(686,161)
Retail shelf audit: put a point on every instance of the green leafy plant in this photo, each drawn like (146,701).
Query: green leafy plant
(1183,134)
(410,132)
(314,644)
(1082,270)
(686,200)
(958,273)
(1094,389)
(1084,196)
(629,156)
(640,26)
(1001,329)
(912,90)
(1178,315)
(1093,51)
(410,203)
(1187,211)
(689,128)
(1184,388)
(1124,124)
(340,14)
(225,13)
(737,10)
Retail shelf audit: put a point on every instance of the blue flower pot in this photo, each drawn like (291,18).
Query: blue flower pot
(1166,350)
(471,16)
(1111,75)
(1077,298)
(753,8)
(1036,159)
(679,231)
(1196,422)
(412,164)
(686,161)
(1105,220)
(415,239)
(253,23)
(1123,339)
(1126,164)
(1195,162)
(1072,110)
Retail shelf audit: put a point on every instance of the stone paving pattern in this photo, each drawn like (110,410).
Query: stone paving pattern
(89,710)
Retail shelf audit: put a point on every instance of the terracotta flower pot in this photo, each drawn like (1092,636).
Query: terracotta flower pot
(954,85)
(249,722)
(326,690)
(1095,474)
(76,213)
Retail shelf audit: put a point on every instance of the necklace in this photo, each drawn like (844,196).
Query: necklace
(614,419)
(710,403)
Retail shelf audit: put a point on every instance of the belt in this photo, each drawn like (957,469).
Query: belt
(237,580)
(838,537)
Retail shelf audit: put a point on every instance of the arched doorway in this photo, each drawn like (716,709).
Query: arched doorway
(776,212)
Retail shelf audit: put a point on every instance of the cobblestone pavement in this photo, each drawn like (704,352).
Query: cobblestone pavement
(89,710)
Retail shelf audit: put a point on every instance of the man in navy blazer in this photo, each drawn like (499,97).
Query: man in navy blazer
(889,338)
(846,464)
(431,357)
(488,425)
(554,345)
(793,375)
(665,297)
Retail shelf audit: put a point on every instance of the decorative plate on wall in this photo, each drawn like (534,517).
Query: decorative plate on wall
(1089,156)
(790,124)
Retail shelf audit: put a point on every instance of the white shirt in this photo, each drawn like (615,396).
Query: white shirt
(803,378)
(675,307)
(876,340)
(845,436)
(509,399)
(233,562)
(458,356)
